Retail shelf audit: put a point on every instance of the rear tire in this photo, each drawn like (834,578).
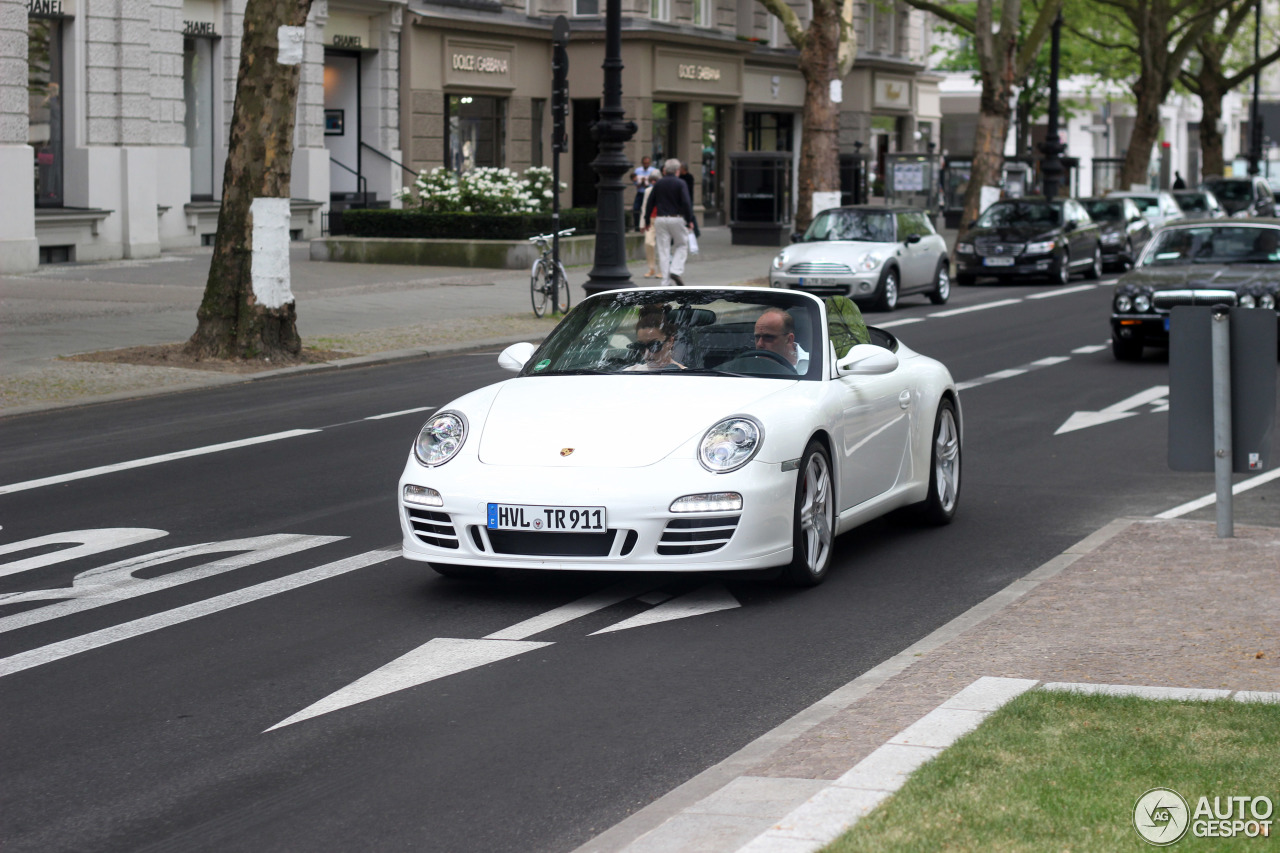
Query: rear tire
(813,519)
(564,297)
(941,283)
(539,294)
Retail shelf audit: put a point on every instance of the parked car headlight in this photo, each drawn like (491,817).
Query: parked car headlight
(1267,300)
(869,261)
(1247,301)
(1042,248)
(1142,303)
(964,248)
(440,439)
(780,261)
(730,444)
(1123,303)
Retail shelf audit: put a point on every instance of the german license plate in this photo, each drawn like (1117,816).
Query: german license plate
(998,262)
(817,282)
(557,519)
(1166,324)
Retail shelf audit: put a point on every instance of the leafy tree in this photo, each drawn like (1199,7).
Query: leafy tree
(827,49)
(235,320)
(1003,56)
(1221,70)
(1160,34)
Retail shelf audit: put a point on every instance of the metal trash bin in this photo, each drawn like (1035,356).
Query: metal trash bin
(760,198)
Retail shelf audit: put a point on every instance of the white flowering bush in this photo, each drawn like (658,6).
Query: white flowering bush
(481,190)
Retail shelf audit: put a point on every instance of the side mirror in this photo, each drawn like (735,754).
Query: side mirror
(867,360)
(514,357)
(796,237)
(914,238)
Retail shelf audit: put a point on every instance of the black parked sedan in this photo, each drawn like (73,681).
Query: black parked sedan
(1031,238)
(1205,262)
(1125,231)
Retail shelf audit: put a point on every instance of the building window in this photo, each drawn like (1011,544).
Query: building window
(767,132)
(537,110)
(702,13)
(660,10)
(883,26)
(586,8)
(199,88)
(44,107)
(476,132)
(712,145)
(664,132)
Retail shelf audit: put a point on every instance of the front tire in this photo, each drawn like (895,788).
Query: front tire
(1063,274)
(941,283)
(887,296)
(539,292)
(813,519)
(1095,269)
(562,294)
(944,467)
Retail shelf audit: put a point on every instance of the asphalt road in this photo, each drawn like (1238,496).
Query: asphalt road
(142,709)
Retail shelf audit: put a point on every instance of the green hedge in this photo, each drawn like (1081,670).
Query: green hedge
(461,226)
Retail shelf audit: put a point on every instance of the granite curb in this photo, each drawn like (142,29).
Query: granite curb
(1124,605)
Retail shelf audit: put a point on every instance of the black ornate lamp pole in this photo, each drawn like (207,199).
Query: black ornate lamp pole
(611,133)
(1255,117)
(1051,167)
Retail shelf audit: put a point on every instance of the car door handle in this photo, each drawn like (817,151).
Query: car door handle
(904,399)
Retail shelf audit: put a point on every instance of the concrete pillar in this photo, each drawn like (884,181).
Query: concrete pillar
(19,251)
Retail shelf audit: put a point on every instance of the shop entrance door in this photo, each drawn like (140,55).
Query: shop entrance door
(712,157)
(342,125)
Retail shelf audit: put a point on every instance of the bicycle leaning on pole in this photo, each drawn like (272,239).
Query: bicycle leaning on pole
(548,277)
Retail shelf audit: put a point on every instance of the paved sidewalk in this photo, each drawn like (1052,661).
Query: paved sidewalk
(375,312)
(1141,602)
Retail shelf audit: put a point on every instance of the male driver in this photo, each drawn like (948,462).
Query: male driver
(776,332)
(640,176)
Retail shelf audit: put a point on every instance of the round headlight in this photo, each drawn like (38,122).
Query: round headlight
(1123,302)
(964,248)
(779,260)
(870,261)
(1142,303)
(1247,300)
(440,439)
(730,444)
(1267,300)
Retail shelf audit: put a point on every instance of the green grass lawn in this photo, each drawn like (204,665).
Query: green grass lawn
(1062,771)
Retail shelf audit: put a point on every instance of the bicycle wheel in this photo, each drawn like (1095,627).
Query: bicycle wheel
(563,296)
(539,288)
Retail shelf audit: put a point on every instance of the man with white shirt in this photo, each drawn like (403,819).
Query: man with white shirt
(776,331)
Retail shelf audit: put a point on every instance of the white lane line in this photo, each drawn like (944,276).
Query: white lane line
(1092,348)
(147,624)
(706,599)
(1207,500)
(968,309)
(906,321)
(398,414)
(1077,289)
(151,460)
(1051,360)
(598,600)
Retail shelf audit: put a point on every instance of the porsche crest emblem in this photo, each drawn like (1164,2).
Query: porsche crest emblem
(566,451)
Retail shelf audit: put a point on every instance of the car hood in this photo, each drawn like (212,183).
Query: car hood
(833,251)
(1014,233)
(623,421)
(1183,276)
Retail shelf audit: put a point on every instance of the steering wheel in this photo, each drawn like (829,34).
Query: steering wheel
(766,353)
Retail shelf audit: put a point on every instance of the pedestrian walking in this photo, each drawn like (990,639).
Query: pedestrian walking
(641,177)
(673,208)
(650,234)
(1178,183)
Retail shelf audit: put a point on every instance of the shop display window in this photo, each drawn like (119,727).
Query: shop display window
(476,132)
(198,90)
(44,107)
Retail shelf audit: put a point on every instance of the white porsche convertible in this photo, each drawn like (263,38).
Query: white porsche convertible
(683,430)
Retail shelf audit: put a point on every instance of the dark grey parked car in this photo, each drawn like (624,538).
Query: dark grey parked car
(1243,196)
(1031,238)
(1125,231)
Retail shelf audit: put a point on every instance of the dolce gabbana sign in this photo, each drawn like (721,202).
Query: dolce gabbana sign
(469,63)
(689,74)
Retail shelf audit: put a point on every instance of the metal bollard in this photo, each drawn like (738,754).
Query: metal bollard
(1221,350)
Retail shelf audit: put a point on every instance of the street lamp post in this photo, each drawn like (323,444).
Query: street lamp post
(1051,167)
(1255,116)
(611,133)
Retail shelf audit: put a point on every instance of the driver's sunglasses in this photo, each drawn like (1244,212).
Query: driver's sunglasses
(768,339)
(649,346)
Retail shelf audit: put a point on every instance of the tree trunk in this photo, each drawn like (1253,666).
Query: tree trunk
(1146,130)
(1211,164)
(819,148)
(247,310)
(994,115)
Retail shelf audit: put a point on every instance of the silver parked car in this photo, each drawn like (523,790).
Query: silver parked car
(870,253)
(1157,205)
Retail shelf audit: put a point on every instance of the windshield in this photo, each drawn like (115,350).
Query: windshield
(1230,190)
(757,333)
(1105,211)
(1192,202)
(1020,213)
(872,226)
(1144,202)
(1215,245)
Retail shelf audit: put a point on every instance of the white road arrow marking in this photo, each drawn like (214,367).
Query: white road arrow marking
(704,599)
(436,659)
(1117,411)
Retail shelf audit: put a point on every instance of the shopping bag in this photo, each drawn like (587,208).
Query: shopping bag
(693,243)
